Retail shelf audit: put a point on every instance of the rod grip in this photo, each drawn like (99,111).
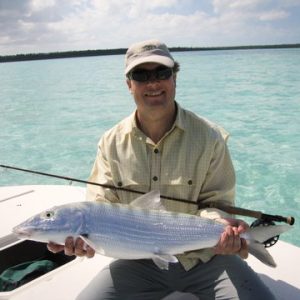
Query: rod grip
(251,213)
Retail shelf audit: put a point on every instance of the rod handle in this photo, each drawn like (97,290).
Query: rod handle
(251,213)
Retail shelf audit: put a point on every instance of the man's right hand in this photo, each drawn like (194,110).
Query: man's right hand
(71,247)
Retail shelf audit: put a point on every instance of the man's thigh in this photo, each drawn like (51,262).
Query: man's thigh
(226,277)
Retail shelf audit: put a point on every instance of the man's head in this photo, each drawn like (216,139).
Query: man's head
(151,74)
(150,51)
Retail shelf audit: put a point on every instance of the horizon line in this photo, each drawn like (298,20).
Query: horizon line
(119,51)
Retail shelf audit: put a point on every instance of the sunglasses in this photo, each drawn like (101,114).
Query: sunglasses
(143,75)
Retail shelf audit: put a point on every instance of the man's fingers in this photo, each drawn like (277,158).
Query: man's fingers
(90,252)
(244,252)
(82,249)
(55,248)
(222,244)
(230,242)
(236,244)
(69,246)
(79,247)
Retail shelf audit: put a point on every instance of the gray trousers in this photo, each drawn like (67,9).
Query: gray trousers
(224,277)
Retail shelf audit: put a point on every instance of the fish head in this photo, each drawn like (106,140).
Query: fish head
(54,224)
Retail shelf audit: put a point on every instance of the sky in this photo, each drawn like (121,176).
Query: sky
(42,26)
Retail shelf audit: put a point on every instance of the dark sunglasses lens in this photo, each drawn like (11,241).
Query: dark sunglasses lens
(163,74)
(142,75)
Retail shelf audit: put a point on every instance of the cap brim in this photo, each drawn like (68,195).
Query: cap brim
(166,61)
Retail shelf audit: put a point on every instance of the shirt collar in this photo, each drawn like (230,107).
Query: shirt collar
(130,124)
(179,121)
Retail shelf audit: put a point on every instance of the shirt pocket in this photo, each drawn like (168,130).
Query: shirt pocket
(180,186)
(130,178)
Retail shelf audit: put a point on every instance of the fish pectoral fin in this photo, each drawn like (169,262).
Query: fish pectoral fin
(88,241)
(150,200)
(163,260)
(101,251)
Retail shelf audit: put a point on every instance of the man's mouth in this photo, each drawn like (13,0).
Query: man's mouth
(154,94)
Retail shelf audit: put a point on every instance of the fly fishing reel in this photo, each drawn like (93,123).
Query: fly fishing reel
(264,222)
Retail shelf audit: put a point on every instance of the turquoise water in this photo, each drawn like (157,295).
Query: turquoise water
(53,113)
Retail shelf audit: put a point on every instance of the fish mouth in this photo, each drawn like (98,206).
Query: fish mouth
(22,232)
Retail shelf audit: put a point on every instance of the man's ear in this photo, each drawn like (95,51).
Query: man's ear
(174,78)
(129,85)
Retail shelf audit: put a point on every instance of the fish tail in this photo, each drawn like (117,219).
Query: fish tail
(259,251)
(258,235)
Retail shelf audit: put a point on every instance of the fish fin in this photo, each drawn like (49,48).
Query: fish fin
(260,234)
(263,233)
(163,260)
(259,251)
(87,240)
(150,200)
(100,250)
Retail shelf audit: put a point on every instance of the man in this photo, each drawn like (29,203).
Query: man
(164,147)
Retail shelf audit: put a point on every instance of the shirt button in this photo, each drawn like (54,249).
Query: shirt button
(190,182)
(119,183)
(156,150)
(155,178)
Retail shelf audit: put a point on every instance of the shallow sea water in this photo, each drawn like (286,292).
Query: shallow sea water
(53,113)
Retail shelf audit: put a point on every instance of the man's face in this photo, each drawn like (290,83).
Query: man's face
(153,93)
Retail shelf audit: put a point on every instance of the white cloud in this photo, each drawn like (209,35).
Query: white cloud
(264,10)
(38,5)
(61,25)
(223,6)
(273,15)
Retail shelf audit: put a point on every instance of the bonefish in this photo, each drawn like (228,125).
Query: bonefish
(141,230)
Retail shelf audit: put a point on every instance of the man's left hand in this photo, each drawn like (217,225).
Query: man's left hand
(230,241)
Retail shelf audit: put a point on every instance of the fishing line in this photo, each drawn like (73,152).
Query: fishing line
(229,209)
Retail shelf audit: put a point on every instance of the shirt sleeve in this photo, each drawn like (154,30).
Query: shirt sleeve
(219,183)
(101,173)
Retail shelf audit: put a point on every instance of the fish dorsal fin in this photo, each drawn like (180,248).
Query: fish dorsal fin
(150,200)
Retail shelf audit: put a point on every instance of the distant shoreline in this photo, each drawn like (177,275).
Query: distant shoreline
(84,53)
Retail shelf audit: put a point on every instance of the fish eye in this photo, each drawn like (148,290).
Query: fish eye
(49,214)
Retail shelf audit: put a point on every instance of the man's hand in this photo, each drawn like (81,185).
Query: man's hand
(230,241)
(78,248)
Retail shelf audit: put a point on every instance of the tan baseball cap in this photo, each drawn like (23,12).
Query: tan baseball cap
(148,51)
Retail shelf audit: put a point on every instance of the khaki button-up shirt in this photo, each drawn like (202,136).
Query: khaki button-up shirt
(190,162)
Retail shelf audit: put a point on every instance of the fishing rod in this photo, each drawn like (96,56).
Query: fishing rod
(92,183)
(227,208)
